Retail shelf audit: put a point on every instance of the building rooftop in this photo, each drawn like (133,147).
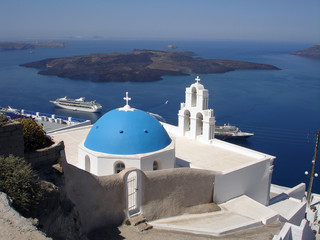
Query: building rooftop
(218,156)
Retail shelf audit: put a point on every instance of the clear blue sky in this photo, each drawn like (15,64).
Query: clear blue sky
(262,20)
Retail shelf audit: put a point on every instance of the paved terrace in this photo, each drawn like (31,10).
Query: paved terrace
(237,214)
(218,156)
(72,138)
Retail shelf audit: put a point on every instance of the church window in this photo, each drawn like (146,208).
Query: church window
(118,167)
(194,97)
(155,165)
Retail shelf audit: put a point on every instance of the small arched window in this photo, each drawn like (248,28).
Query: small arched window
(155,165)
(118,167)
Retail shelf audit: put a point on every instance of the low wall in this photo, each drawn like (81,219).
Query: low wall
(171,192)
(291,231)
(11,139)
(253,181)
(101,201)
(48,155)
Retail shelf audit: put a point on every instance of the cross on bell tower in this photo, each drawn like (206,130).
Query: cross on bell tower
(197,79)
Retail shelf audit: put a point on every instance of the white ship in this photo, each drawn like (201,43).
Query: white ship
(229,131)
(77,104)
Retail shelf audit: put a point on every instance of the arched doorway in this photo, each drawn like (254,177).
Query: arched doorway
(133,190)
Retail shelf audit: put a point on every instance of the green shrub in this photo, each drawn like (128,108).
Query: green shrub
(4,119)
(20,183)
(33,134)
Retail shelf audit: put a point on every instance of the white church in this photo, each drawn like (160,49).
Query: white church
(126,139)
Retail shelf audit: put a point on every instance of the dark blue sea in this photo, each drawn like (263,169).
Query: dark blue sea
(282,107)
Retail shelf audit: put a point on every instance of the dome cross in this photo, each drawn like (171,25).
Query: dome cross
(127,99)
(126,107)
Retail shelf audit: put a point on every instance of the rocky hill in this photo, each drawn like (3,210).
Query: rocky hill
(137,66)
(310,52)
(14,226)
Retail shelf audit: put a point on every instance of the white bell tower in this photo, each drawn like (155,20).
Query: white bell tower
(195,119)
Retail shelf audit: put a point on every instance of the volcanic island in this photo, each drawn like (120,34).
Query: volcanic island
(313,51)
(137,66)
(8,46)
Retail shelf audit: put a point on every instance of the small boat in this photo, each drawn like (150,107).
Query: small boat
(228,131)
(78,104)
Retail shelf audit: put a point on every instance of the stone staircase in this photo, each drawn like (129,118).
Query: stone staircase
(139,222)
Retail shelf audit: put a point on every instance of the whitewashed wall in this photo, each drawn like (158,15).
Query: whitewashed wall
(253,181)
(102,164)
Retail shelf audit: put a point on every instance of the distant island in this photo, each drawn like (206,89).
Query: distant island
(137,66)
(6,46)
(310,52)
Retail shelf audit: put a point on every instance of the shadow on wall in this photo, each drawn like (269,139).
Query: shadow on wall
(100,201)
(181,163)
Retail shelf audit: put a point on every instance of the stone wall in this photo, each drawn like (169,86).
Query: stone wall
(171,192)
(101,201)
(48,155)
(11,139)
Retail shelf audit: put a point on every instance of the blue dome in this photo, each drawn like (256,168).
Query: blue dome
(127,132)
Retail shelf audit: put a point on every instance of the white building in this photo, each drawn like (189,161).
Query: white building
(130,138)
(125,138)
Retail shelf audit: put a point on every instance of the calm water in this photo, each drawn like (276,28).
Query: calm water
(280,107)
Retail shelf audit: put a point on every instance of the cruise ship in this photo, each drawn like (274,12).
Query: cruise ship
(229,131)
(78,104)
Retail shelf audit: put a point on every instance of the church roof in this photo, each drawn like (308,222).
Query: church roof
(123,132)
